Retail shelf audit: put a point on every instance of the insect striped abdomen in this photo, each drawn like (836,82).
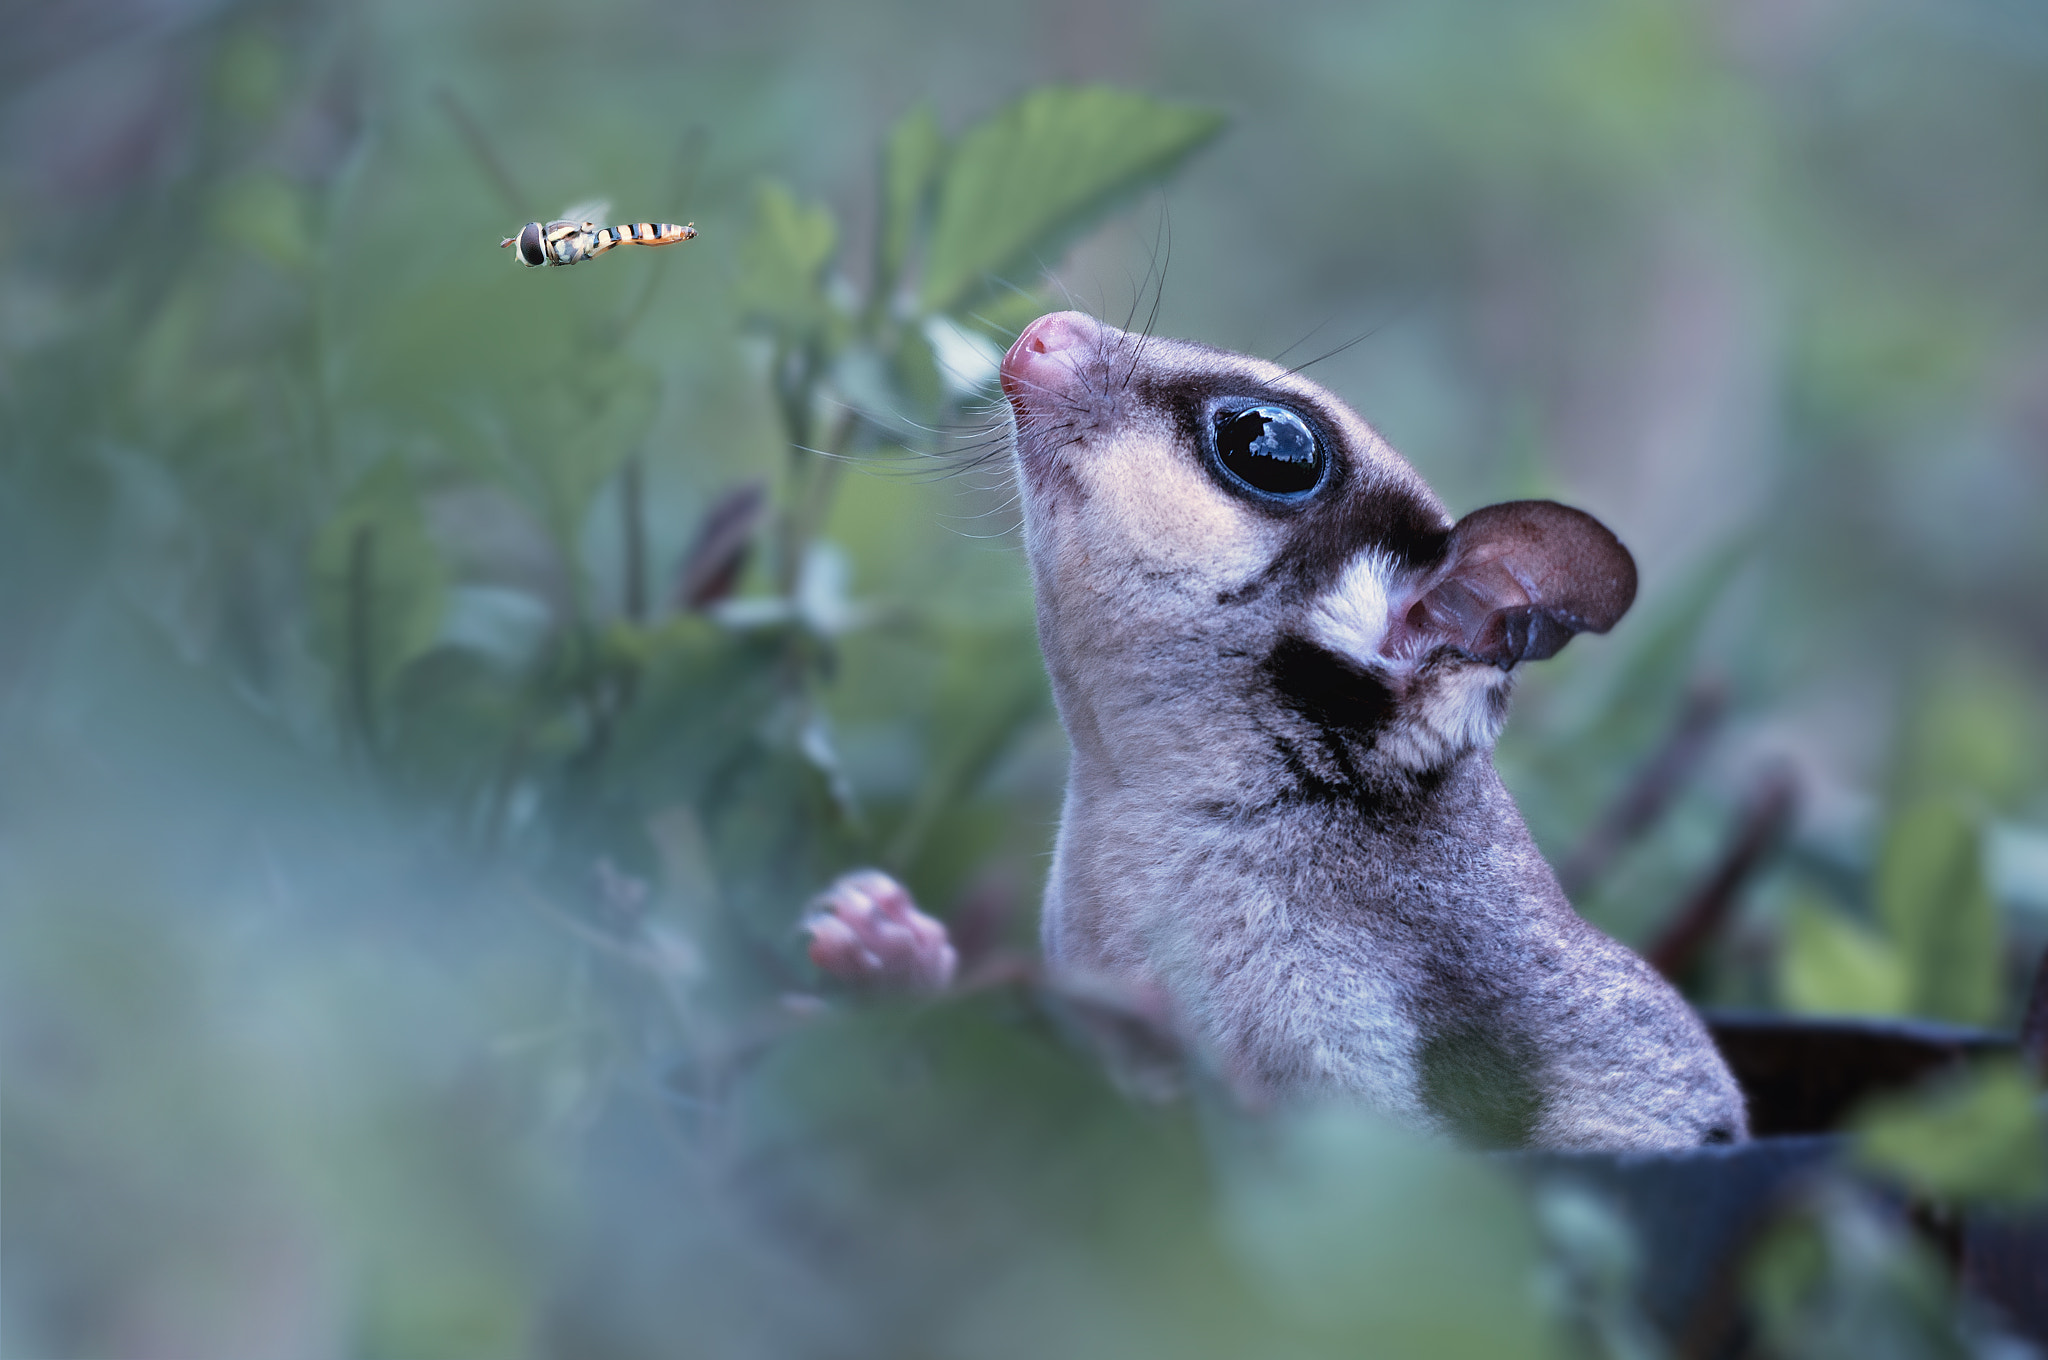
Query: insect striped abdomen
(567,241)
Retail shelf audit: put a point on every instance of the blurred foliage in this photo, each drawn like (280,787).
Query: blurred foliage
(1976,1137)
(1594,1272)
(960,1167)
(1933,945)
(1839,1277)
(419,731)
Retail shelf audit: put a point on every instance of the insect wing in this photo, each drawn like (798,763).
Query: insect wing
(588,213)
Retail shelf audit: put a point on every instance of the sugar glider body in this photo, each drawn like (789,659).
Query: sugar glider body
(1281,666)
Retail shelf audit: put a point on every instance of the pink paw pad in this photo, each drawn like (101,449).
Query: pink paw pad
(865,930)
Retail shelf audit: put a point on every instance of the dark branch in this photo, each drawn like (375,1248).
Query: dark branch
(1649,795)
(1766,814)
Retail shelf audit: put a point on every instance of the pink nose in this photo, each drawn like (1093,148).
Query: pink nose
(1045,355)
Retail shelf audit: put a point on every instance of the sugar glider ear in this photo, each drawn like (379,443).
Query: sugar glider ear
(1517,581)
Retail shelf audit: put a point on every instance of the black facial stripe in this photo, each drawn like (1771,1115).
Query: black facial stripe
(1328,690)
(1366,514)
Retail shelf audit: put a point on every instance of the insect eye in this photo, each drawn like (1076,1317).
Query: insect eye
(529,245)
(1269,450)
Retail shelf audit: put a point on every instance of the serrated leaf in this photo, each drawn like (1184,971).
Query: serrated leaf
(782,260)
(1935,903)
(910,165)
(1977,1138)
(1024,181)
(1830,964)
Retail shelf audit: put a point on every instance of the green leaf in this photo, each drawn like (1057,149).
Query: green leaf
(379,586)
(1976,731)
(1831,964)
(1937,907)
(1977,1138)
(910,165)
(782,260)
(1035,174)
(1454,1280)
(1841,1276)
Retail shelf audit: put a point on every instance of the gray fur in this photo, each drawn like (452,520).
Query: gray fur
(1288,822)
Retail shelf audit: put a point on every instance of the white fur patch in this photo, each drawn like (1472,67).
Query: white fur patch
(1450,716)
(1442,713)
(1353,617)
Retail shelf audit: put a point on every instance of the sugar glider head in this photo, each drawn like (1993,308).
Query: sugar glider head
(1209,525)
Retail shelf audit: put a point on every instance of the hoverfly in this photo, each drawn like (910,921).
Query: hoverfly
(575,236)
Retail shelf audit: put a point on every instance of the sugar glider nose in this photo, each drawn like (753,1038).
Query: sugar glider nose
(1046,353)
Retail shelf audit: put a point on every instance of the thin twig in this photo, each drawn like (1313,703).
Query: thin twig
(1766,813)
(479,144)
(1649,795)
(2034,1025)
(808,498)
(819,492)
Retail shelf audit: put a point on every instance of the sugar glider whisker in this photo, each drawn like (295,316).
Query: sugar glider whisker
(1282,666)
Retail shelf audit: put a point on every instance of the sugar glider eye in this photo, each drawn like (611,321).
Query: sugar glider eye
(1268,450)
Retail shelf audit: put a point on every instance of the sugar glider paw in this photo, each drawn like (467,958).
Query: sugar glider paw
(865,930)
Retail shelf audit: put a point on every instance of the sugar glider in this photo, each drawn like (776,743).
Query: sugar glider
(1282,666)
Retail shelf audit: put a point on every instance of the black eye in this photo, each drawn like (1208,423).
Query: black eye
(1271,450)
(529,245)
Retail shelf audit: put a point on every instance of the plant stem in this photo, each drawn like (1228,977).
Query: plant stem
(807,502)
(633,535)
(1639,806)
(1766,813)
(479,145)
(361,673)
